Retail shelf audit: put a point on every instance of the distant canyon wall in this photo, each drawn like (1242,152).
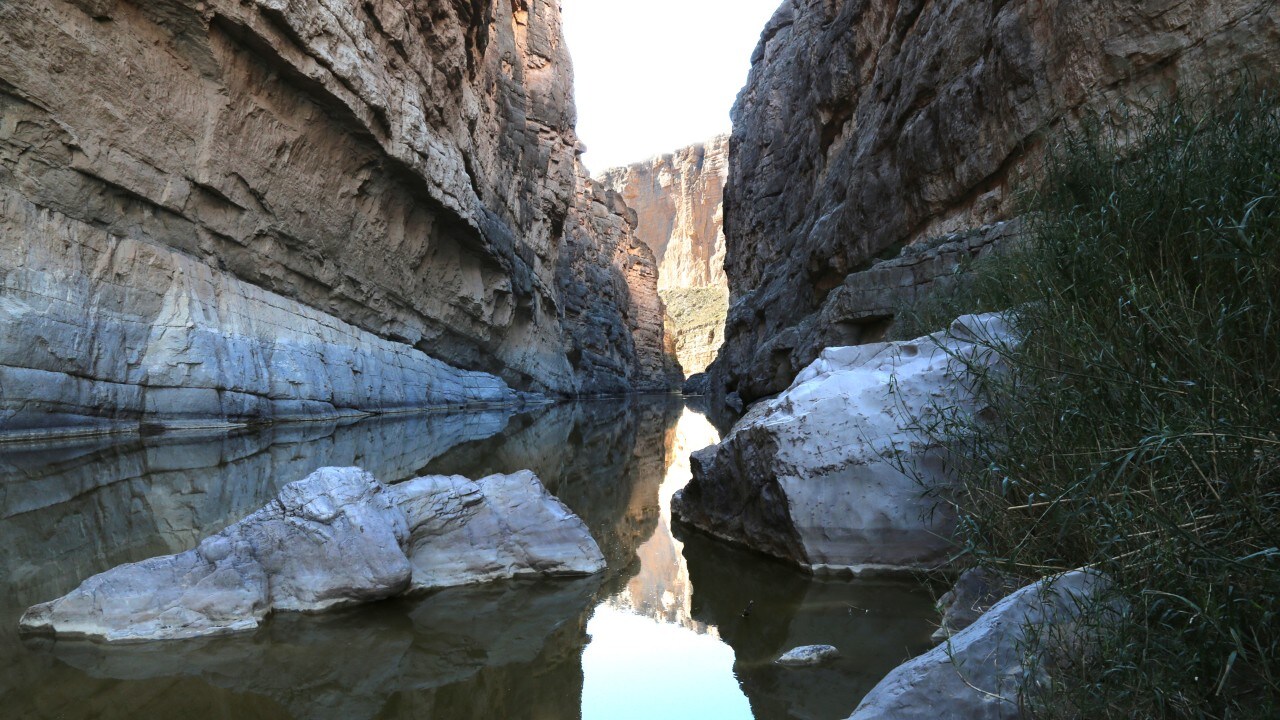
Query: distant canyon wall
(677,198)
(866,128)
(261,209)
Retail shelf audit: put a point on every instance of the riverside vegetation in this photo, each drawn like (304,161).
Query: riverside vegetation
(1136,431)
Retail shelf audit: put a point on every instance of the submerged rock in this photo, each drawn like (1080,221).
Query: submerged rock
(833,474)
(335,538)
(809,655)
(980,671)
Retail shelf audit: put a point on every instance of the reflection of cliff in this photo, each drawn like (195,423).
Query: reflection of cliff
(508,650)
(661,589)
(604,458)
(875,625)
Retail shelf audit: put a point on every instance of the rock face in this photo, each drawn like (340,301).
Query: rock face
(979,672)
(338,537)
(678,203)
(695,323)
(678,200)
(608,280)
(866,127)
(227,211)
(831,474)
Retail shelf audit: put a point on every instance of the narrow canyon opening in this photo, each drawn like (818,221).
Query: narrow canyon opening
(677,199)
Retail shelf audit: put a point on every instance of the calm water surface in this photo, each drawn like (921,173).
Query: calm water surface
(660,634)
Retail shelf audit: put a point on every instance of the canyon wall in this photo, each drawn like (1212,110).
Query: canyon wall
(677,198)
(608,283)
(239,210)
(867,128)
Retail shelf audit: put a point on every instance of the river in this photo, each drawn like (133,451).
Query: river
(678,626)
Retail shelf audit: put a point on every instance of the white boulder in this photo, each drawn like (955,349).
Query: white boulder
(335,538)
(979,673)
(501,526)
(833,474)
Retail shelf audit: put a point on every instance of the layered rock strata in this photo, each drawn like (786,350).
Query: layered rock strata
(608,282)
(99,332)
(234,211)
(834,474)
(865,127)
(677,198)
(335,538)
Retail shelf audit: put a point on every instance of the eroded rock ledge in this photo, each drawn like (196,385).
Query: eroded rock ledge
(335,538)
(833,474)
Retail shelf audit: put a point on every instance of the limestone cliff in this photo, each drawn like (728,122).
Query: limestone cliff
(867,127)
(608,282)
(677,199)
(245,209)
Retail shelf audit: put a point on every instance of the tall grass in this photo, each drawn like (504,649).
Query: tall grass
(1138,428)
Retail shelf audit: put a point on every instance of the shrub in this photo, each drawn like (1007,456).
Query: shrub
(1136,431)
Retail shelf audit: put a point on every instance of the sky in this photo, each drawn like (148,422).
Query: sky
(657,75)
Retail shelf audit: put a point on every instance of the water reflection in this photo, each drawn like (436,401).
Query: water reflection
(660,633)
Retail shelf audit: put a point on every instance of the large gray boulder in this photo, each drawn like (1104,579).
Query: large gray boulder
(980,673)
(335,538)
(834,473)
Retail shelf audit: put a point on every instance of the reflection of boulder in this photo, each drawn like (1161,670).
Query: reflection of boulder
(762,608)
(335,538)
(439,656)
